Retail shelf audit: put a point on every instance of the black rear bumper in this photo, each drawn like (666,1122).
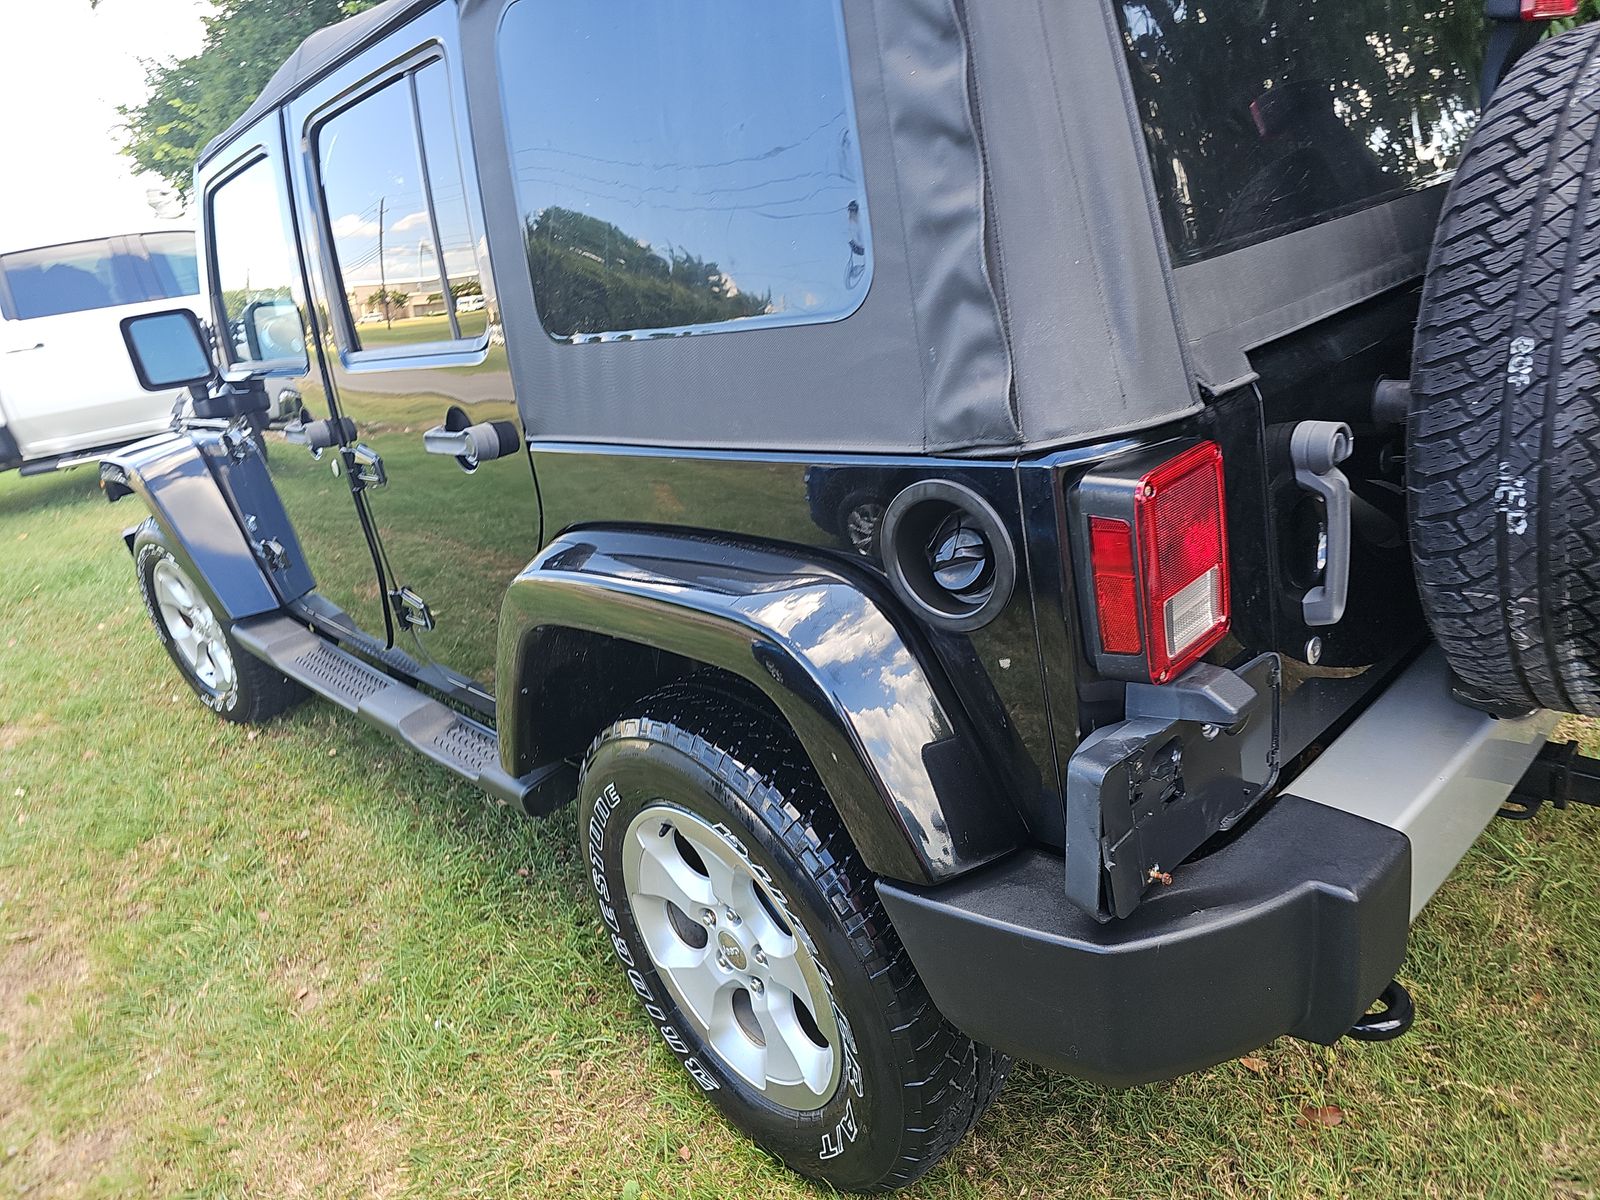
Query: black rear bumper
(1293,929)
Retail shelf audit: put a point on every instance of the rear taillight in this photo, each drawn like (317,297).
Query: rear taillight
(1548,10)
(1116,585)
(1158,562)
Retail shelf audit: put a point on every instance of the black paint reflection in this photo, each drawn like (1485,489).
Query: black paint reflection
(1263,118)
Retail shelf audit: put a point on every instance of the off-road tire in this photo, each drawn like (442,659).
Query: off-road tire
(1504,457)
(913,1085)
(258,693)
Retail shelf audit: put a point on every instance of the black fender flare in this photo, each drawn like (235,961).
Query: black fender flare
(912,787)
(171,476)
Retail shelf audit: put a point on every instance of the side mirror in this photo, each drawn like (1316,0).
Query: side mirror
(168,350)
(272,330)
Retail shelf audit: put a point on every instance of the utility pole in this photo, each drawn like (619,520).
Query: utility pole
(383,278)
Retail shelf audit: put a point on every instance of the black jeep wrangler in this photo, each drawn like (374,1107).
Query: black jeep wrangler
(1035,530)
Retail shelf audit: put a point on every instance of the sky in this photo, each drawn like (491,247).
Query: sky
(67,67)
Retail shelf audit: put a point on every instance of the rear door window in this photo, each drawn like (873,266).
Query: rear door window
(253,269)
(1266,117)
(398,221)
(80,277)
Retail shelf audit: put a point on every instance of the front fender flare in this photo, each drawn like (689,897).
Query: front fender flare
(170,475)
(905,773)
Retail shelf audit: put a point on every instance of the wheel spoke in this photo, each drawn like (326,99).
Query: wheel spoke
(203,665)
(783,968)
(731,1041)
(186,639)
(665,875)
(762,927)
(792,1057)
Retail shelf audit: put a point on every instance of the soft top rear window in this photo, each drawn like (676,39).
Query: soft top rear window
(1265,117)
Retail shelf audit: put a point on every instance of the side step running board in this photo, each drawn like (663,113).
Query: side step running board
(455,742)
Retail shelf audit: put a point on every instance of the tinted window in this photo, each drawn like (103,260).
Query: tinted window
(685,164)
(459,245)
(397,216)
(1266,117)
(69,279)
(255,269)
(174,265)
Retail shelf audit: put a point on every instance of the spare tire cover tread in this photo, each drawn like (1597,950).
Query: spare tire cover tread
(1503,462)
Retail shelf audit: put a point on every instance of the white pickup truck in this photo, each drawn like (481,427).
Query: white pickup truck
(67,391)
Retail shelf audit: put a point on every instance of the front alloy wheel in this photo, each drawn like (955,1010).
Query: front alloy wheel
(196,634)
(237,685)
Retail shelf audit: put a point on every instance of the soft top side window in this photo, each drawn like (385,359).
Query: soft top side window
(684,167)
(398,223)
(253,270)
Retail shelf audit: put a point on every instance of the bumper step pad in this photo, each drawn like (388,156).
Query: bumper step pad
(455,742)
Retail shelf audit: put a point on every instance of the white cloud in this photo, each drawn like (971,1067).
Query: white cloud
(353,226)
(416,220)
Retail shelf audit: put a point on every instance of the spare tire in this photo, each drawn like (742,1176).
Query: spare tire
(1503,463)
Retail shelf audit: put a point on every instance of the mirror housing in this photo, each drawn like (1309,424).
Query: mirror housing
(168,350)
(237,396)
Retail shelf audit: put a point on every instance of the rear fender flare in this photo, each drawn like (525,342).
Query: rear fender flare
(905,773)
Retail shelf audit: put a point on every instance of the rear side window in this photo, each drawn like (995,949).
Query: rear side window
(1266,117)
(398,221)
(684,165)
(255,268)
(56,280)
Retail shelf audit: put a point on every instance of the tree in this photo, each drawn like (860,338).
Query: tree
(191,100)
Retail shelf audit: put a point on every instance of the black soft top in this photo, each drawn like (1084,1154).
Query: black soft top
(323,50)
(1023,298)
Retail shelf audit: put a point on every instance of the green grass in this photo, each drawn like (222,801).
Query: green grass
(300,962)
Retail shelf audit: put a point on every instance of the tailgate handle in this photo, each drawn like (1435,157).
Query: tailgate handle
(1316,448)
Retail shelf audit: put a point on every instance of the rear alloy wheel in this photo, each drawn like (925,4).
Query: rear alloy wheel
(234,683)
(753,935)
(751,989)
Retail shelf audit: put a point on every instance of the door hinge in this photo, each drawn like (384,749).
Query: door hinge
(410,609)
(365,467)
(273,554)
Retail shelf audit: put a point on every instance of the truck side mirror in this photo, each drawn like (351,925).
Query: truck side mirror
(168,350)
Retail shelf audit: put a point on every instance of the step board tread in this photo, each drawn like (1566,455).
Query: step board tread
(439,732)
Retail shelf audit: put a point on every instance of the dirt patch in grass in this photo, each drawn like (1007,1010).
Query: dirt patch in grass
(38,981)
(14,733)
(363,1156)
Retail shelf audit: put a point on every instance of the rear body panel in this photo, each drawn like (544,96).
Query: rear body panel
(1293,928)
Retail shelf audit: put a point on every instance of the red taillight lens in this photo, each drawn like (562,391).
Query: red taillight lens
(1156,579)
(1183,558)
(1548,10)
(1116,589)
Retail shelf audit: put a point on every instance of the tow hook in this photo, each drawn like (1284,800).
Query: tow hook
(1390,1020)
(1561,775)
